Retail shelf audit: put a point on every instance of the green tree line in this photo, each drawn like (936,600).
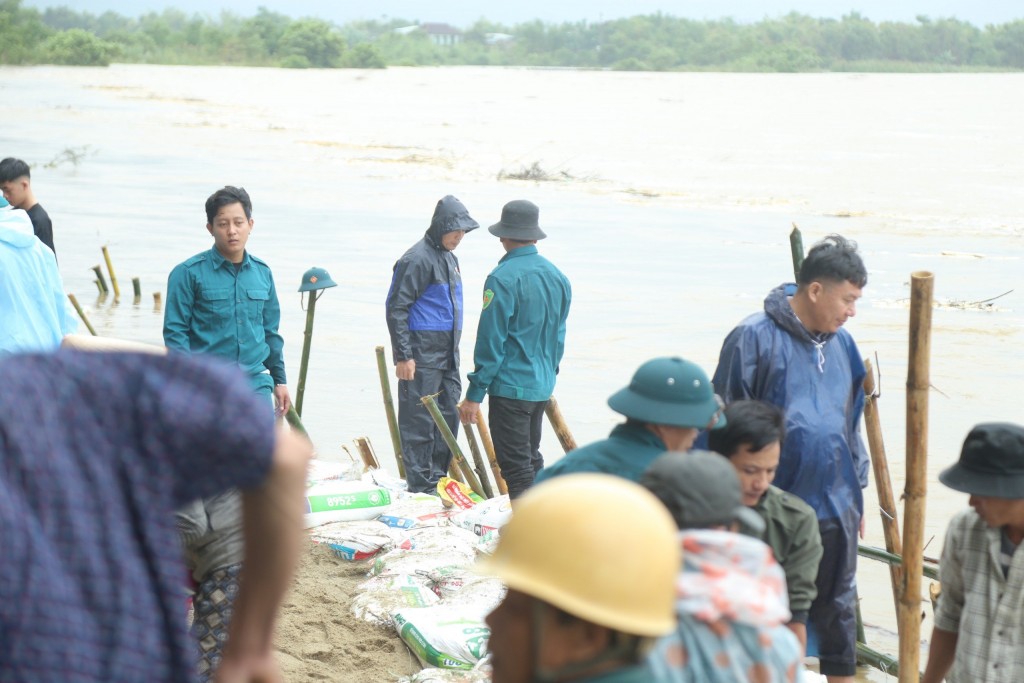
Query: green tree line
(657,42)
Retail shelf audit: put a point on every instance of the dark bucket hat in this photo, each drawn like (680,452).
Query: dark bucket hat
(991,462)
(670,391)
(519,221)
(701,489)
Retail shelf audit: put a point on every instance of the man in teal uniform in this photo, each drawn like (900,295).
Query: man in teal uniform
(223,302)
(519,344)
(668,401)
(563,621)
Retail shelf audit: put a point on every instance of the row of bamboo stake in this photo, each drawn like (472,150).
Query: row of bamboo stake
(475,474)
(104,290)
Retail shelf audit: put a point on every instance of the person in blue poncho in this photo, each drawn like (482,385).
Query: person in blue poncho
(796,355)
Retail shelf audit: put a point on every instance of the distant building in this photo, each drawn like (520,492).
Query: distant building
(498,38)
(439,34)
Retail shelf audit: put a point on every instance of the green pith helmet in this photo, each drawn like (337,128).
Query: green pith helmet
(670,391)
(316,278)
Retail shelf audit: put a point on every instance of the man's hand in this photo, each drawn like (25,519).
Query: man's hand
(468,412)
(405,369)
(282,399)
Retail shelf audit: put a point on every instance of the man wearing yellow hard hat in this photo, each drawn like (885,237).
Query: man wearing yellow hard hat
(590,562)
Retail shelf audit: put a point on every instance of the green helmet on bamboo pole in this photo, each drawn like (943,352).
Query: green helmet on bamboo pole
(316,278)
(313,281)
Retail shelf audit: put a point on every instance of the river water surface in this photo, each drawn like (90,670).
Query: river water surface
(670,209)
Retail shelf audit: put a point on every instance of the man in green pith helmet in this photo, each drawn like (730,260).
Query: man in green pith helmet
(667,403)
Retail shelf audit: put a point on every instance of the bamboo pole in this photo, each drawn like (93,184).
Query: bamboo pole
(918,381)
(366,453)
(453,445)
(137,289)
(796,246)
(389,409)
(558,424)
(110,269)
(478,461)
(101,281)
(307,340)
(492,459)
(81,314)
(293,420)
(156,301)
(883,480)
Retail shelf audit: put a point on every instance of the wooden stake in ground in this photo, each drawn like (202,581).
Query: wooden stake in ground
(492,459)
(458,458)
(883,481)
(558,424)
(478,461)
(366,453)
(110,269)
(389,409)
(137,289)
(81,314)
(918,382)
(796,246)
(101,281)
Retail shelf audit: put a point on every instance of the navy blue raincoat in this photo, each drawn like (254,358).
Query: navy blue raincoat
(819,382)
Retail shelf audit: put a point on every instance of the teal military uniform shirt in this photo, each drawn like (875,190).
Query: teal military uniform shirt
(215,308)
(521,336)
(627,452)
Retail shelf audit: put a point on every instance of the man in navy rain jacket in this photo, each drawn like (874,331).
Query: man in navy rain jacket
(797,356)
(424,314)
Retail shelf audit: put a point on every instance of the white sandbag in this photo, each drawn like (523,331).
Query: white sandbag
(427,548)
(488,542)
(481,673)
(415,510)
(377,598)
(386,480)
(359,540)
(489,515)
(342,501)
(330,470)
(441,636)
(466,586)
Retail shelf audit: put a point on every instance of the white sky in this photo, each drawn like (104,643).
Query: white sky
(465,12)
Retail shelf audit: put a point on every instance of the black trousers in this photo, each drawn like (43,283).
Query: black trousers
(424,451)
(515,429)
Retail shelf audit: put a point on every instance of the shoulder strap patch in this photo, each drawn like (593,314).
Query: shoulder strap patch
(488,298)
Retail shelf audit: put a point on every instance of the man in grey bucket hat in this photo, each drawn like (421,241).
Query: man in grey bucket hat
(979,633)
(668,401)
(519,345)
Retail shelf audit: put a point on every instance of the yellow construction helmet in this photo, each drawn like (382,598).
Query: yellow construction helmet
(599,547)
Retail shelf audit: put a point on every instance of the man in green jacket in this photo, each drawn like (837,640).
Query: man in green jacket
(752,440)
(519,344)
(668,401)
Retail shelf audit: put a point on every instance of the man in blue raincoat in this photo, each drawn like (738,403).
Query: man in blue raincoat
(424,315)
(796,355)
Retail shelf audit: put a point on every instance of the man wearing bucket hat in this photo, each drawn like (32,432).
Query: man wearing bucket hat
(589,561)
(424,316)
(519,345)
(979,633)
(668,401)
(731,600)
(34,310)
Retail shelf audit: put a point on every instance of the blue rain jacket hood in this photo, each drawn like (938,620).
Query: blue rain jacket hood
(819,381)
(424,303)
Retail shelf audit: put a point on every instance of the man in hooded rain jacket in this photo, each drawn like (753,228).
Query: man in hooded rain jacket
(424,314)
(796,355)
